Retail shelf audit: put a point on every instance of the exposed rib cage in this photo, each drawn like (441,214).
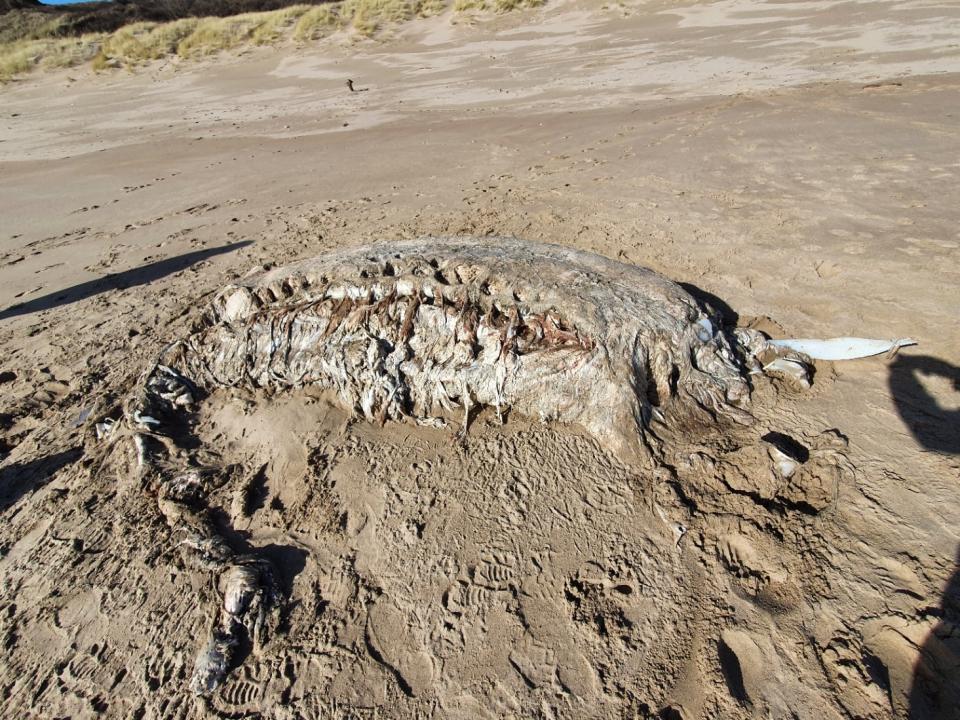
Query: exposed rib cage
(422,329)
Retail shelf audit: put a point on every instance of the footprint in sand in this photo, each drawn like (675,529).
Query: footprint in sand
(549,649)
(390,636)
(742,666)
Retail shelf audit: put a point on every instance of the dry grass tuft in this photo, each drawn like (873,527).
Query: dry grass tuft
(508,5)
(274,26)
(69,51)
(212,35)
(100,62)
(142,42)
(429,8)
(500,6)
(15,59)
(23,56)
(367,16)
(317,22)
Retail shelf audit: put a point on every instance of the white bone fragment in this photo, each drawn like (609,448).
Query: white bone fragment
(144,420)
(104,428)
(842,348)
(785,465)
(792,370)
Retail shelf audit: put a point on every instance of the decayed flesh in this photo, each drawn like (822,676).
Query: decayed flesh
(429,331)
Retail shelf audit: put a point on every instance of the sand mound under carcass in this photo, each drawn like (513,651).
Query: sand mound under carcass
(562,480)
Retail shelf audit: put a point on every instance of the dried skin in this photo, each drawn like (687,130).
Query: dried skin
(420,329)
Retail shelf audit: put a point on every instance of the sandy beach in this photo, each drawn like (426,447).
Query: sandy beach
(794,164)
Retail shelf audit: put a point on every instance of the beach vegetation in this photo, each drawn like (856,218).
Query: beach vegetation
(317,22)
(48,40)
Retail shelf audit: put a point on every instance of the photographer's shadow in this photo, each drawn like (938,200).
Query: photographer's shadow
(935,423)
(935,427)
(935,692)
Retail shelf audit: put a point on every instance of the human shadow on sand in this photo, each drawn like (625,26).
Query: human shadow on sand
(19,479)
(935,426)
(935,692)
(118,281)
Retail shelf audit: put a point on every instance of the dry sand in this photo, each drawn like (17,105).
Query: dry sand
(797,161)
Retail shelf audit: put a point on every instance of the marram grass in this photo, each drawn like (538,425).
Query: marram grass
(143,42)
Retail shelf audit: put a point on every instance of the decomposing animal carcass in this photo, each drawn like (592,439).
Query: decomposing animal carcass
(432,330)
(429,328)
